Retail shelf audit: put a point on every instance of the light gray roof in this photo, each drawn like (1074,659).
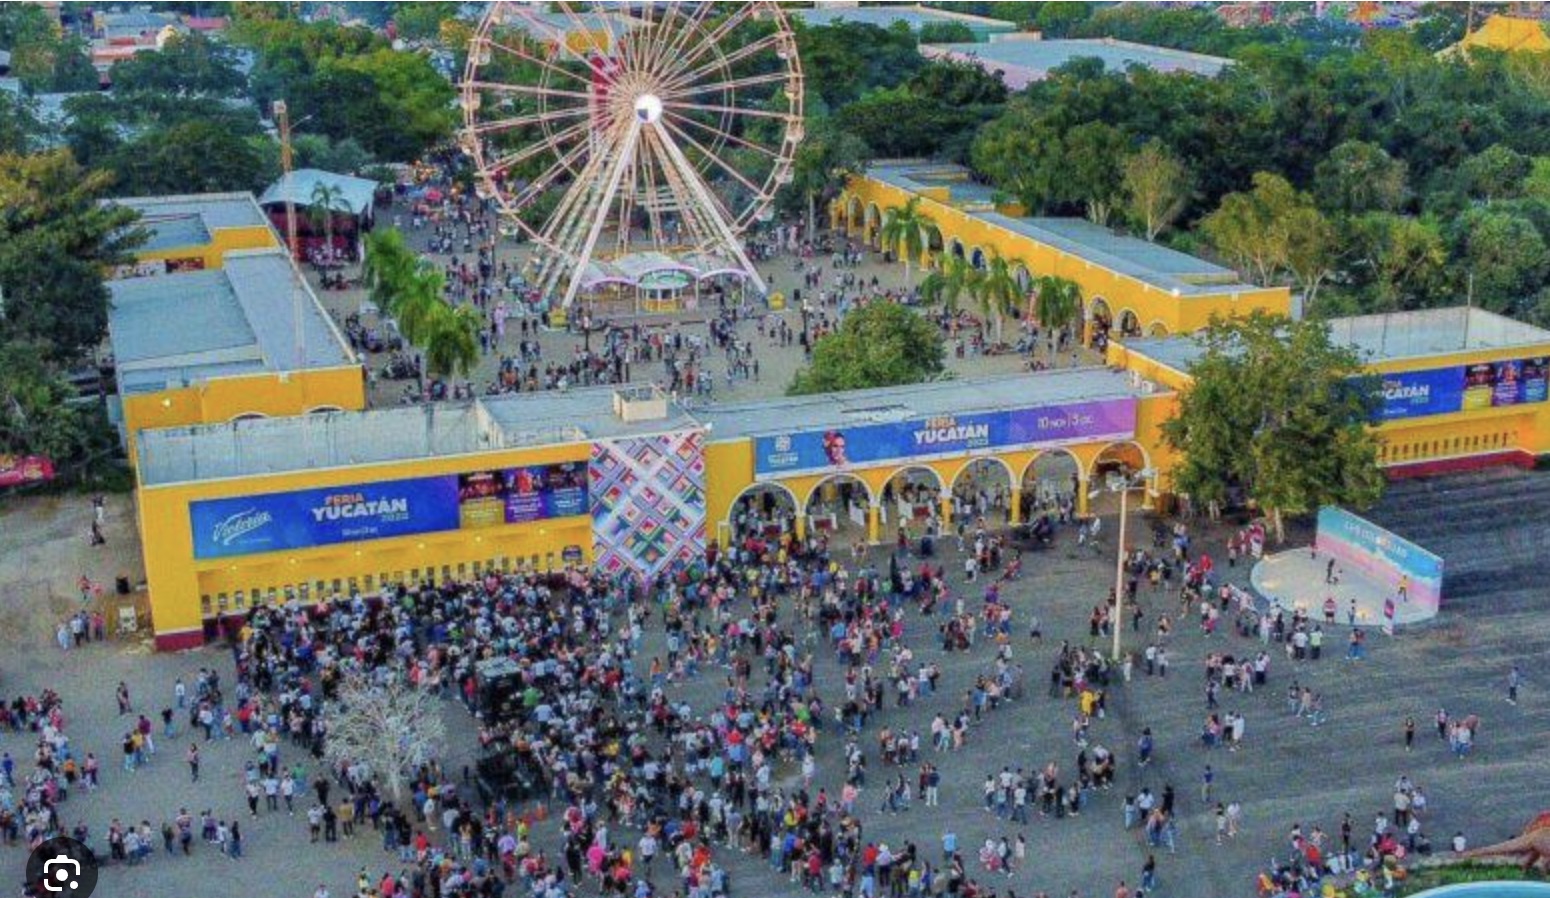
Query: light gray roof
(338,439)
(1400,335)
(190,219)
(1024,58)
(948,397)
(884,16)
(180,328)
(358,193)
(1385,338)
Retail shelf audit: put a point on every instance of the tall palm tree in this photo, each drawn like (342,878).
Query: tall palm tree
(417,306)
(1059,302)
(326,200)
(904,233)
(998,290)
(452,345)
(948,287)
(387,268)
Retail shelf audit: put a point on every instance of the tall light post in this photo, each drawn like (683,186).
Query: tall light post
(1122,484)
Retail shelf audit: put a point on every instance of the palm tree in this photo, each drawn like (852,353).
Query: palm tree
(452,345)
(326,200)
(998,290)
(1059,302)
(956,280)
(904,233)
(387,268)
(417,306)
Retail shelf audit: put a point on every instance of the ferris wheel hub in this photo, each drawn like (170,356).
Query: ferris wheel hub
(648,108)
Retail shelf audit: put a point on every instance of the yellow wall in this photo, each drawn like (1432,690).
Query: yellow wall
(222,241)
(1155,308)
(180,583)
(271,394)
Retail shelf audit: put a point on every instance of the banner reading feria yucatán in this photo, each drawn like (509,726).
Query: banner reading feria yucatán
(840,449)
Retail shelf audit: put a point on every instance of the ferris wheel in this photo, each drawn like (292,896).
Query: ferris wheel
(614,136)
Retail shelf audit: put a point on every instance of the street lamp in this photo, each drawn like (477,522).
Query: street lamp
(1122,483)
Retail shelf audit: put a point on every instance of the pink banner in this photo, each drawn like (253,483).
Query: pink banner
(16,470)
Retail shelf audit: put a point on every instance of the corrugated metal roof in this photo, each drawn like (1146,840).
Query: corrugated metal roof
(190,219)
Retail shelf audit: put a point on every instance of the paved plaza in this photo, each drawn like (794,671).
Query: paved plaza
(1287,772)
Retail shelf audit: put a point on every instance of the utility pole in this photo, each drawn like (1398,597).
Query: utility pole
(282,119)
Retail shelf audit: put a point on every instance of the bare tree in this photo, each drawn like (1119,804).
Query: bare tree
(393,728)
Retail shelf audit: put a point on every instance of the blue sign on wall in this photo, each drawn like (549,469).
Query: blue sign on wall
(839,449)
(298,520)
(1413,394)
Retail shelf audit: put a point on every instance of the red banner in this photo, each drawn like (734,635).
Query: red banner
(16,470)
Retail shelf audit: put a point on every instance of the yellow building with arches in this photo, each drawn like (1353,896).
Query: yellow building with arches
(1130,287)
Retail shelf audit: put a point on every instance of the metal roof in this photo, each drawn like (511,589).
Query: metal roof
(175,329)
(1384,338)
(191,219)
(1025,58)
(884,16)
(357,194)
(948,397)
(339,439)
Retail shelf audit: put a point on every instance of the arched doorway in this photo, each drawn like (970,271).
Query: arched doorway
(855,216)
(1049,484)
(911,497)
(838,506)
(977,258)
(248,416)
(874,227)
(764,510)
(1157,329)
(983,491)
(1023,277)
(1129,324)
(934,247)
(1115,464)
(1099,320)
(955,246)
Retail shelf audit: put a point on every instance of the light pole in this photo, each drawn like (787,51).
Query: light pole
(1122,484)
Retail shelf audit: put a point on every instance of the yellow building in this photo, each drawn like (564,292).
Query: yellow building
(196,231)
(1129,286)
(1505,34)
(308,507)
(1462,387)
(220,343)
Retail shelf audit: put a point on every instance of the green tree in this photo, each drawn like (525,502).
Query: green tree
(1253,228)
(422,21)
(186,64)
(56,240)
(1496,173)
(1360,177)
(1057,304)
(1312,249)
(824,160)
(1275,408)
(845,60)
(19,125)
(452,343)
(1504,255)
(946,33)
(1399,261)
(1091,168)
(951,283)
(192,157)
(327,200)
(881,344)
(998,295)
(37,414)
(1156,188)
(44,60)
(905,233)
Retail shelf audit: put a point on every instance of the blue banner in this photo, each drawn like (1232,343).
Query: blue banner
(1413,394)
(841,449)
(302,519)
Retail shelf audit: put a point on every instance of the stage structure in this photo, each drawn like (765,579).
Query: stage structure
(633,145)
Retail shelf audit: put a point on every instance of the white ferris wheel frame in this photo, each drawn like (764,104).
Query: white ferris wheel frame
(617,145)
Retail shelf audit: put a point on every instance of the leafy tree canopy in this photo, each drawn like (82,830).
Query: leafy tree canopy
(882,344)
(187,64)
(1277,411)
